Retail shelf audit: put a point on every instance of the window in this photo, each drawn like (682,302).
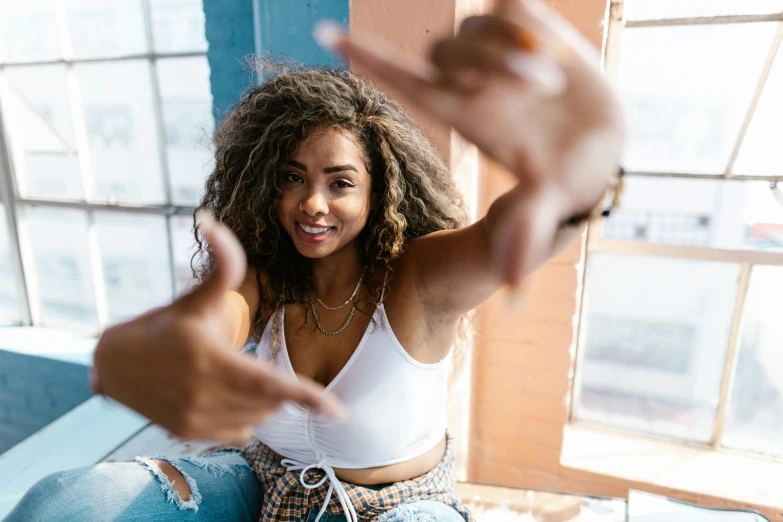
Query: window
(107,122)
(680,333)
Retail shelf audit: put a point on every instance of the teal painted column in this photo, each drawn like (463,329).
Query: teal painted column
(235,29)
(229,31)
(285,28)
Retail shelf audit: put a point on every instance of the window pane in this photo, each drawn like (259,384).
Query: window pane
(178,25)
(756,407)
(61,263)
(187,112)
(686,91)
(100,28)
(9,299)
(656,9)
(695,212)
(39,124)
(135,256)
(28,31)
(120,121)
(184,247)
(761,153)
(655,339)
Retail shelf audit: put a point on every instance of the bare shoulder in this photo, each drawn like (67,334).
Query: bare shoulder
(420,331)
(245,304)
(256,282)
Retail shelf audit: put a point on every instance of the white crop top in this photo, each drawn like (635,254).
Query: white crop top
(396,410)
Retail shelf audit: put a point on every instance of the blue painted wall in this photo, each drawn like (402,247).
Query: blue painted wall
(229,30)
(286,28)
(284,31)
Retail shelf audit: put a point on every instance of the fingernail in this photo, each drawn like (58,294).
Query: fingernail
(546,76)
(327,33)
(204,219)
(514,300)
(95,383)
(337,411)
(470,80)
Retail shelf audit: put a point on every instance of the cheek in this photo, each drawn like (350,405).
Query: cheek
(354,211)
(285,204)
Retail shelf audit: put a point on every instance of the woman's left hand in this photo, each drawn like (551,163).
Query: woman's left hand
(527,89)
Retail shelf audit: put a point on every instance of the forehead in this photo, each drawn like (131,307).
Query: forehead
(329,144)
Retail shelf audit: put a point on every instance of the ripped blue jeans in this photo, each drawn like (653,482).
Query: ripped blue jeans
(222,487)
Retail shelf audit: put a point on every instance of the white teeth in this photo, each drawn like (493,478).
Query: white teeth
(313,230)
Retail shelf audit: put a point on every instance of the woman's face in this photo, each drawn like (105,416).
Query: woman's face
(326,193)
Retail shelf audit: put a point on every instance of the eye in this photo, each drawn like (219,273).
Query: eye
(342,184)
(292,177)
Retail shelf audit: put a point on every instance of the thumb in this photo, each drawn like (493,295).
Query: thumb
(228,257)
(412,77)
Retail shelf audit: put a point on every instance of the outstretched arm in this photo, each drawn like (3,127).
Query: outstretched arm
(527,89)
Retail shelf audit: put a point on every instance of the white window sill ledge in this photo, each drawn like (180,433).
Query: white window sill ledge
(741,479)
(48,342)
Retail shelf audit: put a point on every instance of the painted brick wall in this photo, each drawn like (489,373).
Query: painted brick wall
(287,25)
(229,31)
(524,356)
(524,362)
(284,32)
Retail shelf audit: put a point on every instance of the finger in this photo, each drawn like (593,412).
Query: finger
(495,29)
(471,64)
(259,380)
(555,33)
(453,56)
(240,436)
(230,262)
(237,412)
(414,78)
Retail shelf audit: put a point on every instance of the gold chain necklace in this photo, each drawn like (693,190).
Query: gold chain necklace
(318,320)
(353,295)
(317,317)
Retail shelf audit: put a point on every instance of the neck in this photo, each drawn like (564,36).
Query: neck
(335,277)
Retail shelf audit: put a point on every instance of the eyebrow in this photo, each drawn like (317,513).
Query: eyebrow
(328,170)
(339,168)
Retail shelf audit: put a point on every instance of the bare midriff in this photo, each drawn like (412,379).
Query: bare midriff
(395,472)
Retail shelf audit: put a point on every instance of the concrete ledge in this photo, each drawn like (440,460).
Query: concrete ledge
(692,473)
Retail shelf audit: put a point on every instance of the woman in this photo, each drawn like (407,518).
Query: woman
(358,272)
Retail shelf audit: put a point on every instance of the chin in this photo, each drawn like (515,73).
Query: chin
(313,253)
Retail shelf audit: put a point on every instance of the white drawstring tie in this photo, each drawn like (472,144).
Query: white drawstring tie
(334,485)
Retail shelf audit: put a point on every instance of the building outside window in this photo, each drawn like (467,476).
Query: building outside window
(107,118)
(680,331)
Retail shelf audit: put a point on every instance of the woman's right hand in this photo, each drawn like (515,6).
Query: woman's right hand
(175,364)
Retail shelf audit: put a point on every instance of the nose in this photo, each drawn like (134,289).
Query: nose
(314,204)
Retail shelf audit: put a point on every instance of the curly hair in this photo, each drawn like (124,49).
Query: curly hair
(413,190)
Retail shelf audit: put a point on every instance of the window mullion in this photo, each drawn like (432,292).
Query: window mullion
(8,198)
(611,64)
(595,228)
(730,365)
(699,253)
(66,49)
(773,51)
(98,279)
(690,175)
(707,20)
(161,131)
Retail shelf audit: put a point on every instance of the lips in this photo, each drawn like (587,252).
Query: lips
(312,234)
(313,230)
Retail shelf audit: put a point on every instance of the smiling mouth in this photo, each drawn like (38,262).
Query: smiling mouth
(313,230)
